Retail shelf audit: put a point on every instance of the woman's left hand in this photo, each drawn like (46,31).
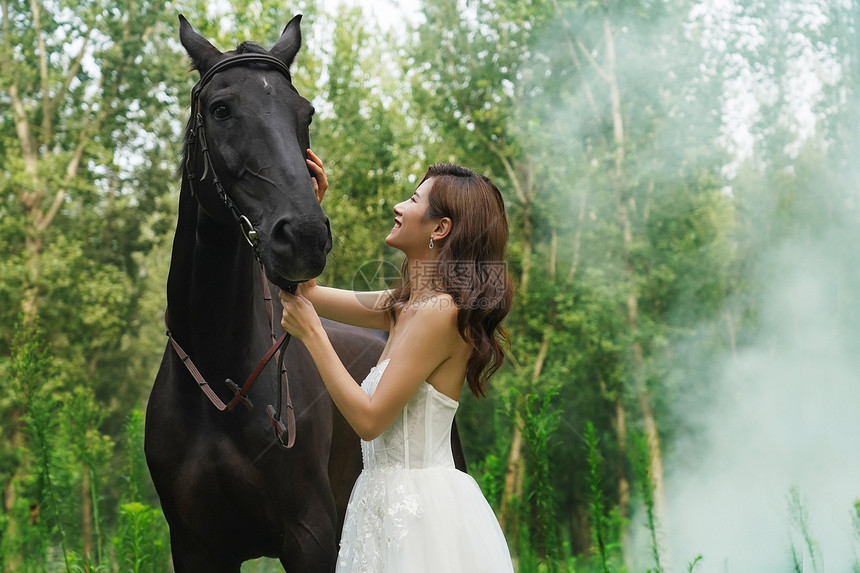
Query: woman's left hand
(299,317)
(318,177)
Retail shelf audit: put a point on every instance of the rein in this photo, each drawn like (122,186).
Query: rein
(240,395)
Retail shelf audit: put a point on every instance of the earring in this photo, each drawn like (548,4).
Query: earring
(431,242)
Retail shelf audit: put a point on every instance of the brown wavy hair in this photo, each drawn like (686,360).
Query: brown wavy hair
(470,265)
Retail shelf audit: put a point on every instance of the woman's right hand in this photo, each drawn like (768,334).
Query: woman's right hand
(318,179)
(306,287)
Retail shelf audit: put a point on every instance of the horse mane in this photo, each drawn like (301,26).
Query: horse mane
(250,48)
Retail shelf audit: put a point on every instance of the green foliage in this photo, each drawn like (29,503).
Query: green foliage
(262,565)
(92,450)
(135,469)
(855,522)
(541,420)
(597,506)
(79,564)
(142,541)
(796,560)
(663,216)
(691,566)
(367,179)
(492,478)
(34,393)
(799,519)
(641,453)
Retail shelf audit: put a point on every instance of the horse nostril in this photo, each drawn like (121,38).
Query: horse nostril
(294,236)
(282,233)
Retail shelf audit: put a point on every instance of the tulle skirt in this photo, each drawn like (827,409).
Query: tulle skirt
(420,520)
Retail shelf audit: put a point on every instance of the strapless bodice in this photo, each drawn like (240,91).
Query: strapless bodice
(420,436)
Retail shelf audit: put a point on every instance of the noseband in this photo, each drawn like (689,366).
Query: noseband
(197,132)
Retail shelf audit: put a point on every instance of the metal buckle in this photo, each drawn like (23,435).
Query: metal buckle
(248,230)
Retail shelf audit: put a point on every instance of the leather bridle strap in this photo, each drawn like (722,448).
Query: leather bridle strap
(197,132)
(275,415)
(239,60)
(195,373)
(240,395)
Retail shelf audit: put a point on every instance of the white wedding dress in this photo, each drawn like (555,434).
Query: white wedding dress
(411,511)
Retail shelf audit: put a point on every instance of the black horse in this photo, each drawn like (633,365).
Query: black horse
(229,490)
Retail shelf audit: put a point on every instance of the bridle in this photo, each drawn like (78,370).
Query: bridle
(197,132)
(278,349)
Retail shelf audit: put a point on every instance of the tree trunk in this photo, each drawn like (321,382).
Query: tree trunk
(619,423)
(514,475)
(30,302)
(515,472)
(731,331)
(528,247)
(632,313)
(655,455)
(87,515)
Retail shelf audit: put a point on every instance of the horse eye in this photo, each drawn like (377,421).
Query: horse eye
(221,112)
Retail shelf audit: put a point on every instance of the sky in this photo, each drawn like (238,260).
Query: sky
(389,13)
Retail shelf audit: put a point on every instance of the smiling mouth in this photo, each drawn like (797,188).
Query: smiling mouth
(397,224)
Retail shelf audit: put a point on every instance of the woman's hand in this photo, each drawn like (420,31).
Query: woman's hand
(306,287)
(318,179)
(299,317)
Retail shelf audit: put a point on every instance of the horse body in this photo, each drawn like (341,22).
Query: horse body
(228,490)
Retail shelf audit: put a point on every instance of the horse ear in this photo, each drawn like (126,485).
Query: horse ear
(202,53)
(290,41)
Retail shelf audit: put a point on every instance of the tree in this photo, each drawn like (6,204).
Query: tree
(465,74)
(577,138)
(85,88)
(359,131)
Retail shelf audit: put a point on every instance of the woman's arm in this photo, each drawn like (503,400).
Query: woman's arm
(427,341)
(352,307)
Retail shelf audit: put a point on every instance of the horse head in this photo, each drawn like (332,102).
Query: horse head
(244,154)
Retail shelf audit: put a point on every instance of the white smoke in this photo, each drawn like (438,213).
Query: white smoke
(784,414)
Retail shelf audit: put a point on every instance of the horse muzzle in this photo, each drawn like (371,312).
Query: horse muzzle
(297,249)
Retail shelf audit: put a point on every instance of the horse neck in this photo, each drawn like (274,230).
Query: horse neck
(214,289)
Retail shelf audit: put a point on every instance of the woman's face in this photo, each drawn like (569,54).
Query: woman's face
(411,233)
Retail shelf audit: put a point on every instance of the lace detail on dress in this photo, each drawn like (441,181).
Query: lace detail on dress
(384,497)
(411,511)
(380,519)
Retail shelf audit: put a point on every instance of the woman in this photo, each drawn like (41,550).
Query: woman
(410,509)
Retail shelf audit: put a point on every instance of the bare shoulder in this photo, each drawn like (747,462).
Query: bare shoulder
(437,314)
(440,313)
(439,308)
